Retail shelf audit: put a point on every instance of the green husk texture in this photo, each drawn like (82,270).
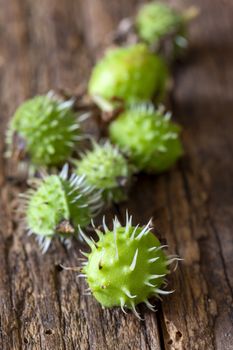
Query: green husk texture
(148,136)
(58,199)
(48,127)
(106,169)
(130,73)
(126,266)
(157,20)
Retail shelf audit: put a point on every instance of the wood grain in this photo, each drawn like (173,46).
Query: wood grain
(50,44)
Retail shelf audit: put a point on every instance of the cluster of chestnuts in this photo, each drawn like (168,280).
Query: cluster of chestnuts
(127,265)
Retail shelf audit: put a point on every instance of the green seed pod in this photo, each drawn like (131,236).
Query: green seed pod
(127,266)
(148,136)
(128,73)
(106,169)
(59,205)
(46,129)
(158,21)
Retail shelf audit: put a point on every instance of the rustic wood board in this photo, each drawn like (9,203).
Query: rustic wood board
(48,44)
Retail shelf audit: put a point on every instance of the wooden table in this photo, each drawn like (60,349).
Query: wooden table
(49,43)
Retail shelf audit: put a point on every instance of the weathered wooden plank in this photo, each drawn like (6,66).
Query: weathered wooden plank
(51,311)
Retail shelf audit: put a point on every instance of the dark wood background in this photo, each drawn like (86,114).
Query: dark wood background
(49,43)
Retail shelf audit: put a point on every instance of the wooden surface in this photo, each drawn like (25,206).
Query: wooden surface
(51,43)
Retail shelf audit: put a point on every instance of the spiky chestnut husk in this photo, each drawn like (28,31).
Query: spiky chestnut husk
(148,136)
(127,265)
(106,169)
(59,205)
(157,21)
(129,73)
(47,128)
